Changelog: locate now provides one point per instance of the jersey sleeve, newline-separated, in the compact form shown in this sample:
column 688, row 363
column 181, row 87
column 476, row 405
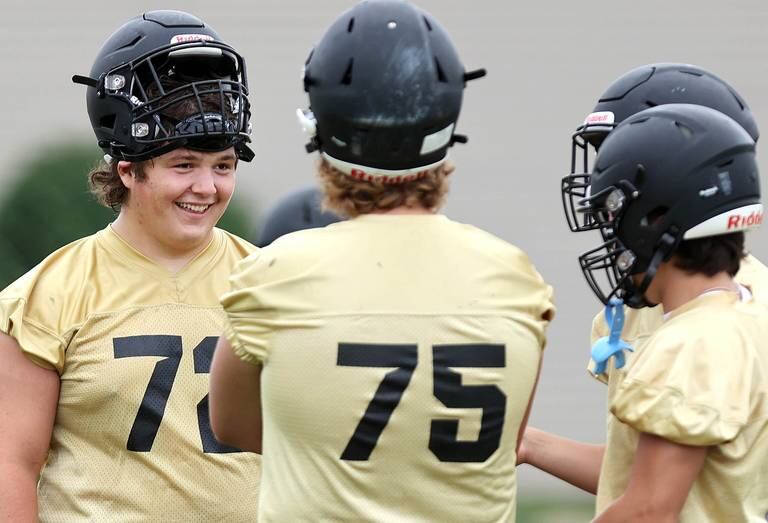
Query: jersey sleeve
column 529, row 293
column 243, row 327
column 24, row 319
column 689, row 386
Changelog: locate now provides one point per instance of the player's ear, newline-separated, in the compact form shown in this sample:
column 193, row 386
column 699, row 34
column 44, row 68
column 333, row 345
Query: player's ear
column 127, row 173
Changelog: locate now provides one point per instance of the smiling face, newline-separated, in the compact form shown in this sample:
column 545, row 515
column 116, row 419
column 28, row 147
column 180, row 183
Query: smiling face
column 174, row 207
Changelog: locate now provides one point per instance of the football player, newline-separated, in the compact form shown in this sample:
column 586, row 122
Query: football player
column 673, row 188
column 388, row 360
column 604, row 469
column 106, row 345
column 298, row 210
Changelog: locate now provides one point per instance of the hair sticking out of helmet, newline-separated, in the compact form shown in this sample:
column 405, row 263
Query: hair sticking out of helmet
column 639, row 89
column 385, row 88
column 166, row 80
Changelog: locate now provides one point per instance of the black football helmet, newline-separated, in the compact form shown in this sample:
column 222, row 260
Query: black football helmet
column 635, row 91
column 385, row 88
column 667, row 174
column 298, row 210
column 156, row 66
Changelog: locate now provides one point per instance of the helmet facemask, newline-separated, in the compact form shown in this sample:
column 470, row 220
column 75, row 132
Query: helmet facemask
column 574, row 188
column 187, row 94
column 612, row 269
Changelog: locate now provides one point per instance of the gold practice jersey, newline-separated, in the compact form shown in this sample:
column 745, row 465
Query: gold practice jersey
column 132, row 344
column 399, row 356
column 622, row 438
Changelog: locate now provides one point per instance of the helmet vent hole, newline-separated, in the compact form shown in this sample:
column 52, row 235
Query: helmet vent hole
column 738, row 100
column 347, row 78
column 650, row 103
column 440, row 73
column 426, row 22
column 725, row 164
column 686, row 131
column 351, row 24
column 692, row 73
column 132, row 42
column 107, row 121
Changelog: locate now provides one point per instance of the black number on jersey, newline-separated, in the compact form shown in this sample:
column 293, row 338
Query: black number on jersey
column 203, row 354
column 443, row 440
column 152, row 408
column 387, row 395
column 443, row 437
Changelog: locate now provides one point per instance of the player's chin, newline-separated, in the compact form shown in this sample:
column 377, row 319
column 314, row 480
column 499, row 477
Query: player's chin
column 197, row 228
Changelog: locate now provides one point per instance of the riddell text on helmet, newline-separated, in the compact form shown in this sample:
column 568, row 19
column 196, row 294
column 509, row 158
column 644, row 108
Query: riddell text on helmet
column 359, row 174
column 186, row 38
column 740, row 221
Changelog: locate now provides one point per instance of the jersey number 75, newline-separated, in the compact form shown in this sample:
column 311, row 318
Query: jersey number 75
column 443, row 436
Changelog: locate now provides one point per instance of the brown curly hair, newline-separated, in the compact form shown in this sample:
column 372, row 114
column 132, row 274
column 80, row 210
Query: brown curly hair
column 350, row 197
column 106, row 185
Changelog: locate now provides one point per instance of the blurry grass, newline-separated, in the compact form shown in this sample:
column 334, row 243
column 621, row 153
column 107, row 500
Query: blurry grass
column 542, row 510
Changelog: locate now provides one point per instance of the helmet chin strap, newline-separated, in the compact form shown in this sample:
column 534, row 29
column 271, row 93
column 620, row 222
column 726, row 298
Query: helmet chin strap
column 636, row 295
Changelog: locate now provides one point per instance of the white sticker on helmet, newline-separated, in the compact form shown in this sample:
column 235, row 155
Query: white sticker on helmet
column 307, row 121
column 183, row 39
column 433, row 142
column 197, row 51
column 599, row 118
column 741, row 219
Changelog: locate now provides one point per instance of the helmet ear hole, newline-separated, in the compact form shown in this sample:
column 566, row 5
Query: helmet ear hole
column 108, row 121
column 655, row 216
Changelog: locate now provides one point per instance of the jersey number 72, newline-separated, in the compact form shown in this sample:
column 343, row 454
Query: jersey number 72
column 152, row 407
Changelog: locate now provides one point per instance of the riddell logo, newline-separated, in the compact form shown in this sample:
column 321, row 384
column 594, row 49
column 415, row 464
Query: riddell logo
column 359, row 174
column 741, row 221
column 183, row 39
column 598, row 118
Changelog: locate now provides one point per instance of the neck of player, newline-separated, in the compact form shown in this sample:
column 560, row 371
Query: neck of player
column 156, row 244
column 673, row 287
column 406, row 209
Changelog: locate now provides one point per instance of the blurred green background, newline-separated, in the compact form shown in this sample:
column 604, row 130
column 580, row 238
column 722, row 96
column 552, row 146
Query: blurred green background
column 48, row 205
column 553, row 510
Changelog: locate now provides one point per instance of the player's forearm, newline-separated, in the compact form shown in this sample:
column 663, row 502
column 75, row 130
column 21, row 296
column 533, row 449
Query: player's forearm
column 18, row 494
column 572, row 461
